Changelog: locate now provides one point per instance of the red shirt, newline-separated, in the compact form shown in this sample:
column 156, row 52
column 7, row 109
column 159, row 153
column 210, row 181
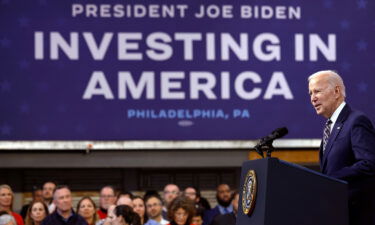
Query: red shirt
column 102, row 215
column 18, row 218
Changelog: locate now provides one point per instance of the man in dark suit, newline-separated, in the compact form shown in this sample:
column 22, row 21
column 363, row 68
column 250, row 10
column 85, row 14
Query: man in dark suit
column 347, row 150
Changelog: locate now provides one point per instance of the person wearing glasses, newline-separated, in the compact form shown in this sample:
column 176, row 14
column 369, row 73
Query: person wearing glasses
column 171, row 191
column 154, row 206
column 107, row 197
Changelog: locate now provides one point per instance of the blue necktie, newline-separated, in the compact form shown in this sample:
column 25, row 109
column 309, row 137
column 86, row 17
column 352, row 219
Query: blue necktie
column 326, row 133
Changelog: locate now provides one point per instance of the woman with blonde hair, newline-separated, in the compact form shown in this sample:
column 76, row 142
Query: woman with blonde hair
column 6, row 203
column 36, row 213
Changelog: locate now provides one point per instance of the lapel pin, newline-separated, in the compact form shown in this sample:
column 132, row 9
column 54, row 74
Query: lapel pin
column 338, row 128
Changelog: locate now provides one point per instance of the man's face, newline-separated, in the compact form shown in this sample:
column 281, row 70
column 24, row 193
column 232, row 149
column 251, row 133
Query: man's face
column 5, row 197
column 38, row 195
column 107, row 197
column 191, row 193
column 323, row 96
column 224, row 193
column 47, row 192
column 125, row 200
column 63, row 200
column 153, row 207
column 171, row 192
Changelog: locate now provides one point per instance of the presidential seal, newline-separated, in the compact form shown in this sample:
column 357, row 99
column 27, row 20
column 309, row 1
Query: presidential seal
column 249, row 192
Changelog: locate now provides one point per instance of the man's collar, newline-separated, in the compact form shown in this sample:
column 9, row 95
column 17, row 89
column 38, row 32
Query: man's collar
column 229, row 209
column 336, row 114
column 63, row 218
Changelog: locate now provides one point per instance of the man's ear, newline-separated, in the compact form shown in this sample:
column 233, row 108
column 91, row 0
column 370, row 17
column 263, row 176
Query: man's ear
column 338, row 91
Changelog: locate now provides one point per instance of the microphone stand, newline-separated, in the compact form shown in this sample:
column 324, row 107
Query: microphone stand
column 268, row 147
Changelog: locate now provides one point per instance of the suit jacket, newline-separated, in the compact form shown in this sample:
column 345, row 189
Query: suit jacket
column 226, row 219
column 350, row 156
column 56, row 219
column 209, row 215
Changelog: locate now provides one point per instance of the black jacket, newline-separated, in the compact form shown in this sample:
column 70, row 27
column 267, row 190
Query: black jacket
column 56, row 219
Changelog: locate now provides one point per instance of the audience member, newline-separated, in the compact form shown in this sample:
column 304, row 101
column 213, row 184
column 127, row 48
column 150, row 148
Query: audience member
column 36, row 213
column 224, row 199
column 86, row 208
column 181, row 211
column 198, row 217
column 124, row 215
column 107, row 197
column 6, row 203
column 140, row 208
column 154, row 207
column 36, row 196
column 194, row 194
column 125, row 200
column 230, row 218
column 6, row 219
column 110, row 216
column 204, row 203
column 171, row 191
column 125, row 193
column 150, row 192
column 64, row 214
column 47, row 195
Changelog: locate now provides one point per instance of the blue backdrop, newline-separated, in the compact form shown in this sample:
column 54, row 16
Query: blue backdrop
column 161, row 70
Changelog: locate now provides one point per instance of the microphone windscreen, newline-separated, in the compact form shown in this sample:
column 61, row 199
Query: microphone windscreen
column 281, row 132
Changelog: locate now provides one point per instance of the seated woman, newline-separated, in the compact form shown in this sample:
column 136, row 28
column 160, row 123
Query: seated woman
column 181, row 211
column 36, row 212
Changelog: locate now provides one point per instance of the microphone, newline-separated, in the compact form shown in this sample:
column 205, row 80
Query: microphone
column 278, row 133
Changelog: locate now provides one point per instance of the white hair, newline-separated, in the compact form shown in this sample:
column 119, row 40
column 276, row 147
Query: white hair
column 334, row 79
column 6, row 218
